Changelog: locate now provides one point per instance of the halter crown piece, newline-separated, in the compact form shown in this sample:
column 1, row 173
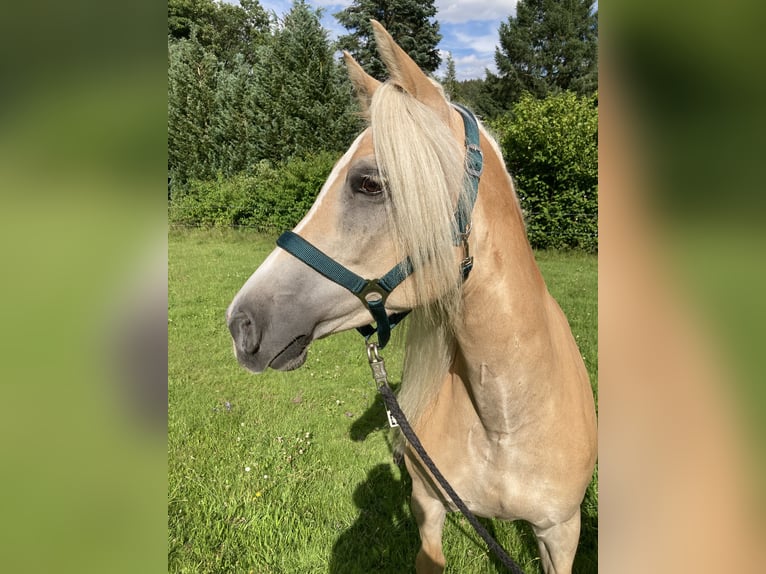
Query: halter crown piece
column 374, row 292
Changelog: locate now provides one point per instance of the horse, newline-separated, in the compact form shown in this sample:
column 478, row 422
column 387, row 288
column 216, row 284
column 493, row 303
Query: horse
column 493, row 382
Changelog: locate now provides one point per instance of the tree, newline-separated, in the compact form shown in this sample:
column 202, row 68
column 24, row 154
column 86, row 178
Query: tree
column 222, row 28
column 449, row 82
column 234, row 125
column 185, row 15
column 548, row 47
column 302, row 100
column 240, row 29
column 409, row 23
column 192, row 85
column 470, row 94
column 225, row 118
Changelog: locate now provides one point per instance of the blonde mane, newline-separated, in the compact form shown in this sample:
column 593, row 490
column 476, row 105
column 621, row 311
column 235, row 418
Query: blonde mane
column 422, row 165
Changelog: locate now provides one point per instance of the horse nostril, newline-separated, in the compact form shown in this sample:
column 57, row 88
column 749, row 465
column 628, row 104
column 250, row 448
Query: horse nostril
column 243, row 331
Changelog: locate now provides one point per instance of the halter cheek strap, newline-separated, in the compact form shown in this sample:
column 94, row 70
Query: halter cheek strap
column 374, row 292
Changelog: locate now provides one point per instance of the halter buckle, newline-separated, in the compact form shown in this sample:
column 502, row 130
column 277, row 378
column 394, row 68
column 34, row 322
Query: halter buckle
column 465, row 267
column 467, row 263
column 474, row 165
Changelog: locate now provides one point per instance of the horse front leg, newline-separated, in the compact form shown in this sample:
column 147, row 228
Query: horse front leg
column 558, row 544
column 430, row 514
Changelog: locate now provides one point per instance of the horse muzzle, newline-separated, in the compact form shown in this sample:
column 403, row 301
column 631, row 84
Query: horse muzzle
column 257, row 357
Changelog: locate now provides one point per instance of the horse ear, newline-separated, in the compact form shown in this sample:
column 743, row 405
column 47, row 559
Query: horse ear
column 407, row 74
column 364, row 84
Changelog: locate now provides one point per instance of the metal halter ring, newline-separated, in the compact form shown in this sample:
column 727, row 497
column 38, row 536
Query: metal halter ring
column 373, row 292
column 372, row 353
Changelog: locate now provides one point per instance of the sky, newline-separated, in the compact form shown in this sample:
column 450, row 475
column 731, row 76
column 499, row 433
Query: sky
column 469, row 29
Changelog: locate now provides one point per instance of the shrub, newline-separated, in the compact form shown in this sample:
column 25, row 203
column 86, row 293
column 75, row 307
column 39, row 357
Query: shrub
column 271, row 198
column 551, row 149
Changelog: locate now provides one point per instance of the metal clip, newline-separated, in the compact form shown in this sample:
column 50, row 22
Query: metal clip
column 377, row 365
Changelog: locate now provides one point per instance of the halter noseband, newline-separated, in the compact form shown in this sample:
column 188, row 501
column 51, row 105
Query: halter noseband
column 374, row 292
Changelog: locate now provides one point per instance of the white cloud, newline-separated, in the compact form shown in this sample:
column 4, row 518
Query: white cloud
column 334, row 4
column 470, row 66
column 460, row 11
column 483, row 43
column 472, row 45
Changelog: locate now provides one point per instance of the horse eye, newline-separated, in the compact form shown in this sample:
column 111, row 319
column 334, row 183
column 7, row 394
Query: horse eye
column 370, row 186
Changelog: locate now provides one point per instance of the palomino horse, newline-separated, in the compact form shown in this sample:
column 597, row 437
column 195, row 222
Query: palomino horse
column 493, row 381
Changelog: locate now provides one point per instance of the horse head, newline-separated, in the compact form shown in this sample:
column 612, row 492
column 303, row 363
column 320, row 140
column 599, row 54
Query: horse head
column 391, row 197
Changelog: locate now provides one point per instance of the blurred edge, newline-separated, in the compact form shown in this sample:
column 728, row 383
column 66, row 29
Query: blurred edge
column 681, row 283
column 84, row 291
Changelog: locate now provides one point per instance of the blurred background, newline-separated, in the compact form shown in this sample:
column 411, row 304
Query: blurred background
column 681, row 278
column 83, row 312
column 83, row 205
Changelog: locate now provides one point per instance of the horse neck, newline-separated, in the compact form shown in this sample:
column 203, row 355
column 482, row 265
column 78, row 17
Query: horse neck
column 506, row 322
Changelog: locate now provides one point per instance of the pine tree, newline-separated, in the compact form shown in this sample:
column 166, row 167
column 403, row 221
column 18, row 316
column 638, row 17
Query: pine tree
column 240, row 29
column 187, row 15
column 302, row 105
column 449, row 82
column 233, row 125
column 408, row 21
column 222, row 28
column 192, row 85
column 548, row 47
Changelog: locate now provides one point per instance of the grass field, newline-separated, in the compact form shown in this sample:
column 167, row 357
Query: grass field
column 292, row 472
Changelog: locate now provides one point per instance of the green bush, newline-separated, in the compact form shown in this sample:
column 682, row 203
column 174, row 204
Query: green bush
column 551, row 149
column 271, row 198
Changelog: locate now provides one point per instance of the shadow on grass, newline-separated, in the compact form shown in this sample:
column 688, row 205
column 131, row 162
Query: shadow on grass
column 373, row 419
column 384, row 537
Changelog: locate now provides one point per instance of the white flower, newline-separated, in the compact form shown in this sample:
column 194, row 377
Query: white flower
column 247, row 469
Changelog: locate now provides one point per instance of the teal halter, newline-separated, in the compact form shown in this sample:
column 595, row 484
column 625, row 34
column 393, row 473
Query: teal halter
column 374, row 292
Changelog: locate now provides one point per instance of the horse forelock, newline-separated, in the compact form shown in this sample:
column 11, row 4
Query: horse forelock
column 422, row 165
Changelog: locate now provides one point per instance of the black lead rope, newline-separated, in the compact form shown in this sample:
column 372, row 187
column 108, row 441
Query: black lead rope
column 392, row 405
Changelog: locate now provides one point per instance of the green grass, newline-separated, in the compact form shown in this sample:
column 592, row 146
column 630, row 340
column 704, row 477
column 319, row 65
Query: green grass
column 292, row 472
